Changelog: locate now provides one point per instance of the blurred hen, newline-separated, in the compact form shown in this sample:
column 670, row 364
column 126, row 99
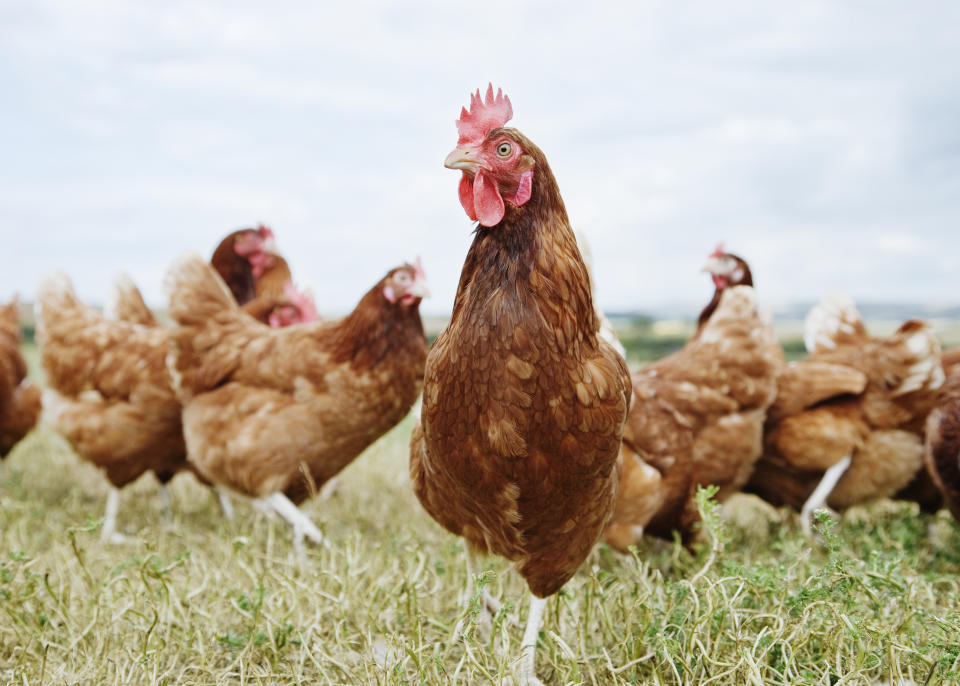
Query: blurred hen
column 19, row 398
column 697, row 416
column 847, row 425
column 275, row 413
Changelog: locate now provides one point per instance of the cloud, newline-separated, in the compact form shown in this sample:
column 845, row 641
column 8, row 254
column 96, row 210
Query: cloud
column 821, row 143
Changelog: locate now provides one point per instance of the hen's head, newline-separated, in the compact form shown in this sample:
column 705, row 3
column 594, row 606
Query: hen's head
column 727, row 269
column 299, row 308
column 406, row 285
column 258, row 247
column 495, row 161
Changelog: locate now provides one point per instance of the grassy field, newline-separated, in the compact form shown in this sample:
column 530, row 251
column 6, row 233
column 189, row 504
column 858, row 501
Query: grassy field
column 195, row 599
column 192, row 598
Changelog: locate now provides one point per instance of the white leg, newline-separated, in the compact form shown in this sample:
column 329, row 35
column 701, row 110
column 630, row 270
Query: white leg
column 329, row 489
column 820, row 494
column 302, row 526
column 526, row 673
column 109, row 533
column 223, row 497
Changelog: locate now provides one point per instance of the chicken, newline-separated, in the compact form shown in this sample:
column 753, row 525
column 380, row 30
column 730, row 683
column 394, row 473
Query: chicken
column 140, row 406
column 248, row 262
column 950, row 359
column 848, row 420
column 942, row 443
column 697, row 417
column 260, row 280
column 19, row 398
column 274, row 413
column 726, row 270
column 109, row 390
column 523, row 405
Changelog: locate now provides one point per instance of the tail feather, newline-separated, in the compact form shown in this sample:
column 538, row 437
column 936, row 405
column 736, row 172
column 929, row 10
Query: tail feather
column 833, row 322
column 126, row 303
column 922, row 355
column 209, row 331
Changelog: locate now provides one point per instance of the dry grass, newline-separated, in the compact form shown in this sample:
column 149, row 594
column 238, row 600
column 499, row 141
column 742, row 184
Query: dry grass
column 194, row 599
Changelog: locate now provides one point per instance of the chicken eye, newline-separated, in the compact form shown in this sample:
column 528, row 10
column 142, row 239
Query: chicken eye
column 504, row 149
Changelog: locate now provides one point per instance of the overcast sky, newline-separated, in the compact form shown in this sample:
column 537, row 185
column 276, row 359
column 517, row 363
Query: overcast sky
column 818, row 139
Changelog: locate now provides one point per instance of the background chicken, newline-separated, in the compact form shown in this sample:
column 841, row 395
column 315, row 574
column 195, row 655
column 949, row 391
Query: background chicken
column 726, row 270
column 248, row 261
column 942, row 443
column 523, row 404
column 848, row 421
column 109, row 390
column 697, row 415
column 19, row 399
column 275, row 413
column 260, row 280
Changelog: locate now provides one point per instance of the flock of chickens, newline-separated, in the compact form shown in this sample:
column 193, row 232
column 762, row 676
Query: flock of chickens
column 534, row 441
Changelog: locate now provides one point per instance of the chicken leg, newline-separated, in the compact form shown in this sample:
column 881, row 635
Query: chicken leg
column 109, row 533
column 301, row 523
column 525, row 674
column 820, row 494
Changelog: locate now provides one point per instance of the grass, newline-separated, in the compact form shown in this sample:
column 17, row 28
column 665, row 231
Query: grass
column 195, row 599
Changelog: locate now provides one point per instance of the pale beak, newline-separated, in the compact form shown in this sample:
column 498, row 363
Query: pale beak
column 419, row 289
column 464, row 159
column 269, row 246
column 714, row 265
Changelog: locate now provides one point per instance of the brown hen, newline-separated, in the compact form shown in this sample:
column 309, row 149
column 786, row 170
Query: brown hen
column 848, row 421
column 523, row 404
column 274, row 413
column 942, row 443
column 697, row 417
column 19, row 398
column 109, row 390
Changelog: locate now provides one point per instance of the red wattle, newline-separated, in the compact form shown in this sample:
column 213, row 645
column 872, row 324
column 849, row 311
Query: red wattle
column 524, row 190
column 466, row 196
column 487, row 201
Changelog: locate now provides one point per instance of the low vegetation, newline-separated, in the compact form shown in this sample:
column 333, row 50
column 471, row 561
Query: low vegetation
column 194, row 599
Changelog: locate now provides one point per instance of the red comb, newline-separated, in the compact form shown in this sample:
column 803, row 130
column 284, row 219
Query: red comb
column 265, row 231
column 485, row 114
column 418, row 269
column 718, row 251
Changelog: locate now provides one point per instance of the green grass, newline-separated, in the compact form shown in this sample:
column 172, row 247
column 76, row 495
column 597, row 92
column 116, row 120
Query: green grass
column 195, row 599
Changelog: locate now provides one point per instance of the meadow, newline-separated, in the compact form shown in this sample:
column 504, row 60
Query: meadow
column 193, row 598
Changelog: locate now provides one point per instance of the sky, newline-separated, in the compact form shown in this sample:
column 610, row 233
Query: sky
column 820, row 140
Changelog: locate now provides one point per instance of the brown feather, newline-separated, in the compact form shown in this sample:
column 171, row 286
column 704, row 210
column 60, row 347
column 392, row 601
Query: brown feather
column 942, row 443
column 19, row 399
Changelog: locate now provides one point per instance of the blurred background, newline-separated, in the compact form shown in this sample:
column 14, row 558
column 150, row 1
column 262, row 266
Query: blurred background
column 818, row 140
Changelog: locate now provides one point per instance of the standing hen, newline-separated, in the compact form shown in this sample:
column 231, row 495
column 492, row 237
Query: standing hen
column 848, row 420
column 523, row 404
column 19, row 399
column 109, row 390
column 697, row 418
column 274, row 413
